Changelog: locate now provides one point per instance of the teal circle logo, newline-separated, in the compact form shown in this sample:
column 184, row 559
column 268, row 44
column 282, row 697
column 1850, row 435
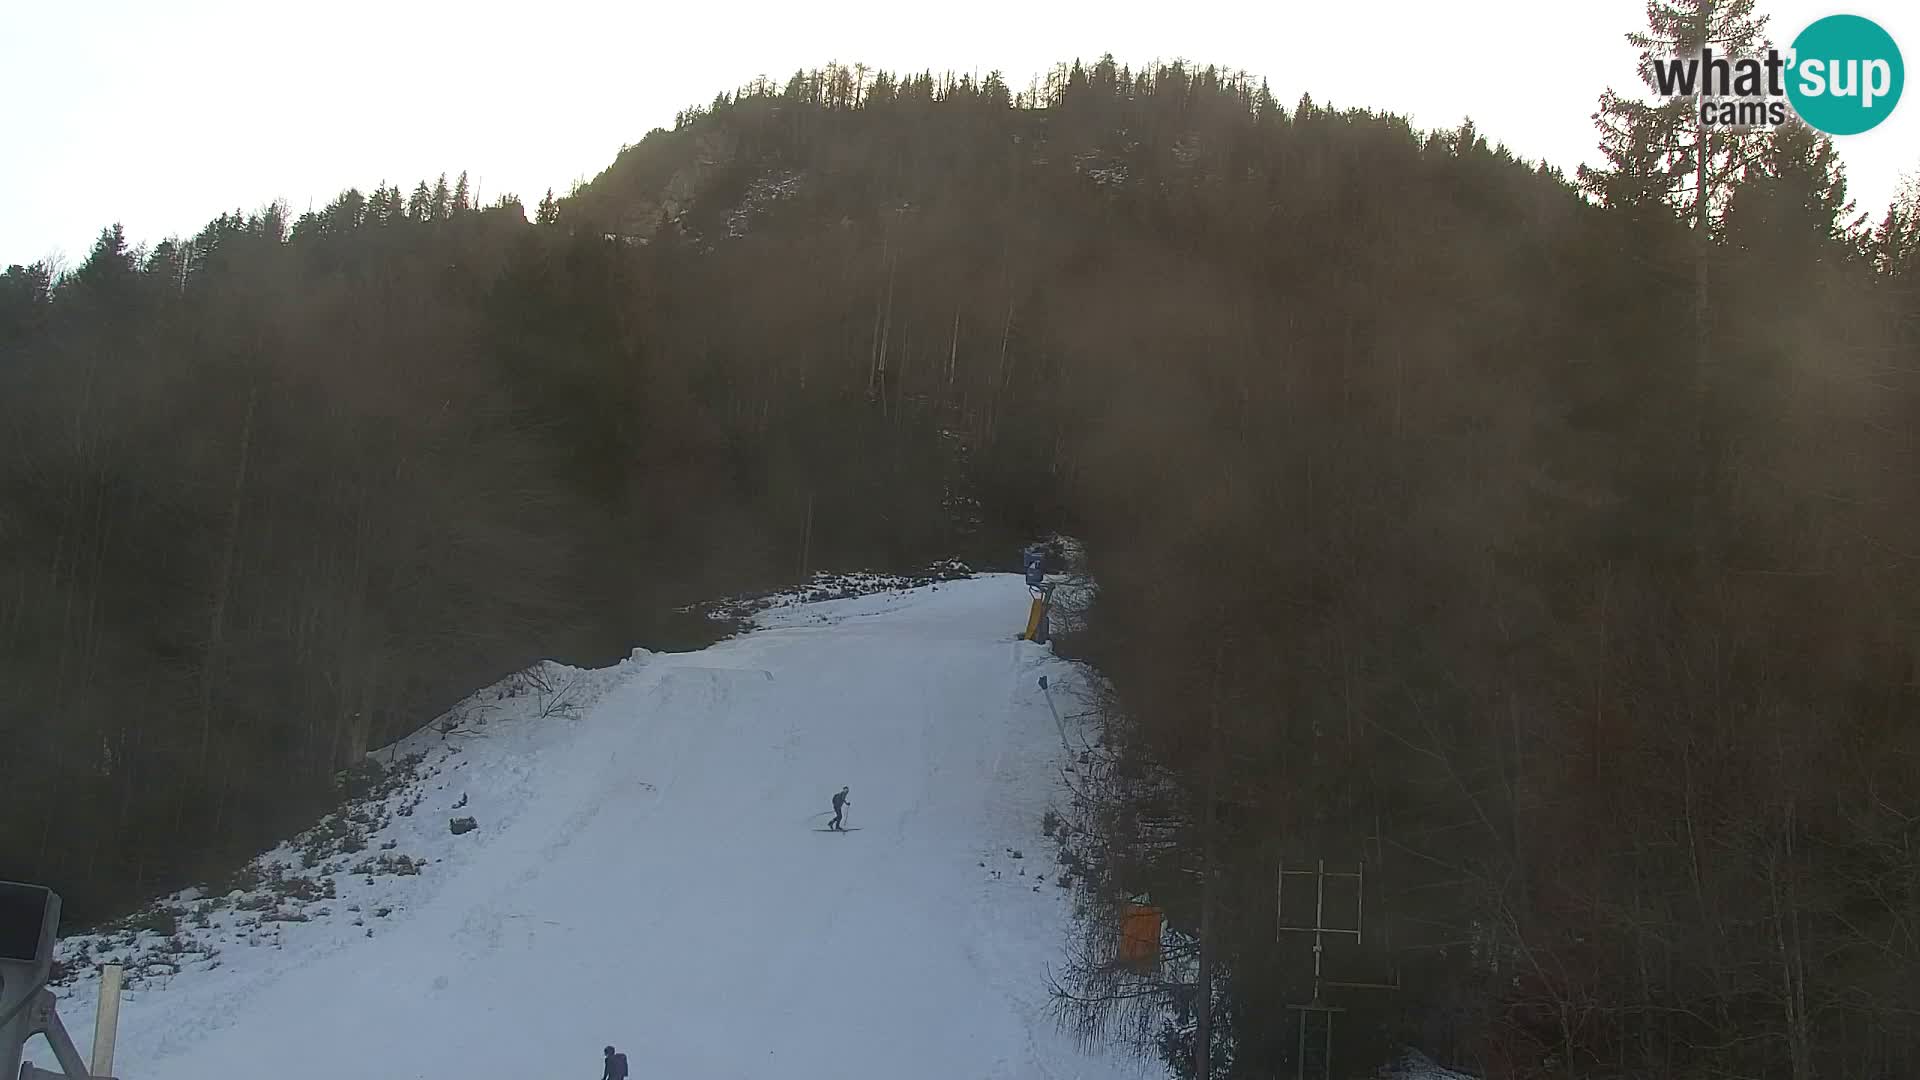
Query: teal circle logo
column 1847, row 75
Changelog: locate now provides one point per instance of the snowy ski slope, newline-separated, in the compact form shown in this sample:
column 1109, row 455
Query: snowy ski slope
column 647, row 872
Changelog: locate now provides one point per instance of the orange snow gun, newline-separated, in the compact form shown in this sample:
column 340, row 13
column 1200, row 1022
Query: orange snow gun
column 1140, row 937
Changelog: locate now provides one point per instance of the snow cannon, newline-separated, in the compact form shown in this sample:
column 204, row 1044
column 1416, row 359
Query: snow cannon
column 1034, row 561
column 1140, row 927
column 1036, row 621
column 1034, row 558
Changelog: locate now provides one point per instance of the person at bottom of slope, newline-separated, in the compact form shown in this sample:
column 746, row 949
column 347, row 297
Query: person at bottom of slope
column 839, row 808
column 616, row 1065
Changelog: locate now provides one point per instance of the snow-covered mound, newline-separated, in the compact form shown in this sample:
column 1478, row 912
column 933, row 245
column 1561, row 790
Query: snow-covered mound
column 1414, row 1065
column 645, row 866
column 827, row 585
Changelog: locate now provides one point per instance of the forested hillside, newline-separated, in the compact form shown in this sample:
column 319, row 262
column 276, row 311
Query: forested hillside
column 1555, row 551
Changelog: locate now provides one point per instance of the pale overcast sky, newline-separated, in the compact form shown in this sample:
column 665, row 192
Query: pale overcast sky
column 162, row 113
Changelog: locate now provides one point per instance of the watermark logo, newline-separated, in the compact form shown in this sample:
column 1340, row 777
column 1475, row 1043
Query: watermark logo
column 1842, row 76
column 1849, row 75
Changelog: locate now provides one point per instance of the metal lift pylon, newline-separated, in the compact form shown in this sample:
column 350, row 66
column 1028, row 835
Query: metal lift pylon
column 1314, row 1059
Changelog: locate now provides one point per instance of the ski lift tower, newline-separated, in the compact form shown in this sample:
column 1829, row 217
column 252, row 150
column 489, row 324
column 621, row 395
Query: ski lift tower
column 29, row 926
column 1314, row 1061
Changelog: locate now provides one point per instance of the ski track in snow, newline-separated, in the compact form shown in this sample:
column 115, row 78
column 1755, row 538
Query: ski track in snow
column 648, row 874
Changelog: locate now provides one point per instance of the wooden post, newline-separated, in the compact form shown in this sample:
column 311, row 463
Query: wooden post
column 1203, row 1034
column 806, row 539
column 108, row 1020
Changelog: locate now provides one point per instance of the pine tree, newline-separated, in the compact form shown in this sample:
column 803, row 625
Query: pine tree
column 1266, row 110
column 26, row 286
column 1795, row 194
column 549, row 212
column 308, row 225
column 377, row 212
column 1659, row 151
column 421, row 202
column 346, row 213
column 1663, row 154
column 881, row 93
column 462, row 198
column 994, row 91
column 110, row 262
column 1894, row 245
column 25, row 292
column 271, row 224
column 1105, row 79
column 1645, row 152
column 167, row 269
column 441, row 206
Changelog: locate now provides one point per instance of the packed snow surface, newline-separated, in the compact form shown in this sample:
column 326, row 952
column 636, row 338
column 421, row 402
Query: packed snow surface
column 645, row 868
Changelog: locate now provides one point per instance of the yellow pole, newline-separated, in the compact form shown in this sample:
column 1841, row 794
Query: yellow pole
column 1033, row 618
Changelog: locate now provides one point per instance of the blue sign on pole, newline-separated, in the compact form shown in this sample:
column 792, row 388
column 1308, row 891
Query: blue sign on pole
column 1035, row 560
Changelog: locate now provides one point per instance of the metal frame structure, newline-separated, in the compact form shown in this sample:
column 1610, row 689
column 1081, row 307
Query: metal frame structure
column 28, row 1008
column 1319, row 930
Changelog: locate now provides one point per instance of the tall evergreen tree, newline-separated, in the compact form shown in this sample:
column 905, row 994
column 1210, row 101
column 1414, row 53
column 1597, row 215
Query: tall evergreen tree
column 346, row 213
column 1662, row 154
column 25, row 292
column 378, row 212
column 1895, row 243
column 110, row 264
column 994, row 92
column 1659, row 151
column 1794, row 193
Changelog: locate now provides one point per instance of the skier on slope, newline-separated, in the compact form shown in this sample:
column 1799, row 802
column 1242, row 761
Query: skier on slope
column 839, row 809
column 616, row 1066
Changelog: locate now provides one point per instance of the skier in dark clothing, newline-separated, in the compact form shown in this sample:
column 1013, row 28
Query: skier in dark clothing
column 839, row 808
column 616, row 1066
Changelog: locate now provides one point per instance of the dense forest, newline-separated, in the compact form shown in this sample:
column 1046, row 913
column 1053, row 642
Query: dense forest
column 1546, row 544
